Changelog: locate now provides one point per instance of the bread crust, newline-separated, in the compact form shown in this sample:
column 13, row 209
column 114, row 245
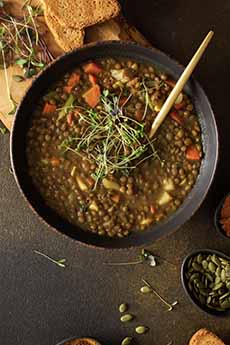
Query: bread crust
column 82, row 13
column 67, row 38
column 205, row 337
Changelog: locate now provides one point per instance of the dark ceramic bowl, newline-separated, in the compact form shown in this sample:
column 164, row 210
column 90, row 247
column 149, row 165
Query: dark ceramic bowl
column 71, row 341
column 185, row 282
column 66, row 63
column 217, row 223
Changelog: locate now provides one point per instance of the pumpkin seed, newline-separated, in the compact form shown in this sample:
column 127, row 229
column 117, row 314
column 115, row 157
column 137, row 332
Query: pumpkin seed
column 209, row 276
column 196, row 267
column 204, row 292
column 223, row 275
column 212, row 267
column 224, row 261
column 146, row 289
column 126, row 341
column 225, row 295
column 141, row 329
column 209, row 299
column 205, row 264
column 228, row 285
column 217, row 286
column 216, row 260
column 123, row 307
column 126, row 318
column 199, row 258
column 218, row 271
column 217, row 280
column 194, row 276
column 225, row 304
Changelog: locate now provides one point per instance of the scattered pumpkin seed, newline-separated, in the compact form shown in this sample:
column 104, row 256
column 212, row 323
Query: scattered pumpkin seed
column 141, row 329
column 126, row 318
column 146, row 289
column 126, row 341
column 123, row 307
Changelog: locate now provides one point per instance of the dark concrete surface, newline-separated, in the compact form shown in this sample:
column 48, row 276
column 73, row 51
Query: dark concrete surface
column 41, row 303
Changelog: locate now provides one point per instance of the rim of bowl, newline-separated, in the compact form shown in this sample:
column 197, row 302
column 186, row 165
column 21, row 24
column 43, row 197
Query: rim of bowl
column 184, row 281
column 217, row 224
column 174, row 225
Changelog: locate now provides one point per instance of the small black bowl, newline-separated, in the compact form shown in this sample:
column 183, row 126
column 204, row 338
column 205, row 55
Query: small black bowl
column 217, row 217
column 91, row 340
column 185, row 282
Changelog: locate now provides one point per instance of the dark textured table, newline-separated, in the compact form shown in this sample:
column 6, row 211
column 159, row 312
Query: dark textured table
column 41, row 303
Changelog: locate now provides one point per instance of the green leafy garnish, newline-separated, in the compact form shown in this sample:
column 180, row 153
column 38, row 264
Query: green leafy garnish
column 67, row 106
column 60, row 262
column 3, row 130
column 113, row 140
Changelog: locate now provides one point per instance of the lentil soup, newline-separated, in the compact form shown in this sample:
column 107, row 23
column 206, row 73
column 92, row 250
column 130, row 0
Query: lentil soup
column 90, row 156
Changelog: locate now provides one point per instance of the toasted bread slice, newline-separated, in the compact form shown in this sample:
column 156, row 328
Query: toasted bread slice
column 82, row 13
column 205, row 337
column 67, row 38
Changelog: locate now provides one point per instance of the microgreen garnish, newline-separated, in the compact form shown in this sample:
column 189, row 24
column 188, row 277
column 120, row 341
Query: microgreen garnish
column 3, row 130
column 20, row 44
column 144, row 257
column 148, row 102
column 170, row 306
column 112, row 139
column 60, row 262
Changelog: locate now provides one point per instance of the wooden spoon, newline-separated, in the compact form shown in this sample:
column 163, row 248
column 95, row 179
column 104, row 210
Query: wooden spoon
column 180, row 84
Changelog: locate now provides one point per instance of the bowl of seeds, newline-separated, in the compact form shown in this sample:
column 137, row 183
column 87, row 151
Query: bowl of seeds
column 205, row 276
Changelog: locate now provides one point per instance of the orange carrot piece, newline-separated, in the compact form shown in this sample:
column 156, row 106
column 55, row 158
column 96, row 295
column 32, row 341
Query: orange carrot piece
column 179, row 106
column 92, row 79
column 70, row 119
column 177, row 117
column 116, row 198
column 153, row 209
column 92, row 96
column 55, row 162
column 192, row 153
column 139, row 114
column 49, row 108
column 73, row 81
column 92, row 68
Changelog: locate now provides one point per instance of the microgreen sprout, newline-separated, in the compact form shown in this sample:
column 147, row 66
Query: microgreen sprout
column 60, row 262
column 115, row 141
column 170, row 306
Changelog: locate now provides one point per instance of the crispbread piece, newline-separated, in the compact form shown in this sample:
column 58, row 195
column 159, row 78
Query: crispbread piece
column 82, row 13
column 205, row 337
column 67, row 38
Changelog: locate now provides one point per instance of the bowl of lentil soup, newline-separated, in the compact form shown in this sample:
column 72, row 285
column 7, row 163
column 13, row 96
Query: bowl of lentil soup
column 82, row 157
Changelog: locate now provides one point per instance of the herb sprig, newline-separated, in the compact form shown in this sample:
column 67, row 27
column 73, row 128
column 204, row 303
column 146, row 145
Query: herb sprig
column 60, row 262
column 112, row 139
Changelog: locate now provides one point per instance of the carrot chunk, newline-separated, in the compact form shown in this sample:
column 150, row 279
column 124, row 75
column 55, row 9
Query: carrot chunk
column 92, row 96
column 73, row 81
column 92, row 68
column 192, row 153
column 177, row 117
column 92, row 79
column 55, row 162
column 70, row 119
column 49, row 108
column 179, row 106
